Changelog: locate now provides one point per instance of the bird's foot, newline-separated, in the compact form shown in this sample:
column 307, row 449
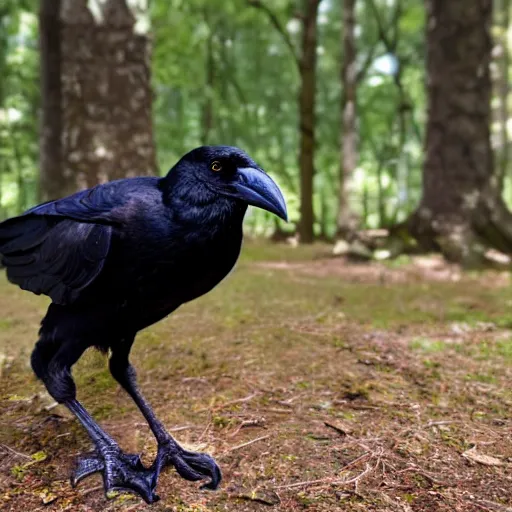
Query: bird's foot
column 121, row 472
column 191, row 466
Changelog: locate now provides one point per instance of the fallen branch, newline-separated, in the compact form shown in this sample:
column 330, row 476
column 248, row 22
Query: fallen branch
column 243, row 445
column 341, row 429
column 432, row 479
column 14, row 452
column 439, row 423
column 91, row 489
column 258, row 422
column 333, row 481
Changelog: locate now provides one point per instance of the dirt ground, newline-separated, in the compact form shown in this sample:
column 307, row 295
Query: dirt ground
column 318, row 385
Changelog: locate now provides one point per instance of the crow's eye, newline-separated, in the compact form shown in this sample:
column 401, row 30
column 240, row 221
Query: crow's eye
column 216, row 167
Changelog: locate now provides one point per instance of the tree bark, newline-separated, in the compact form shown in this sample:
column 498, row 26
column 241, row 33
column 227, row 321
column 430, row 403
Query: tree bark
column 53, row 182
column 207, row 114
column 306, row 66
column 461, row 212
column 347, row 220
column 106, row 95
column 502, row 86
column 307, row 119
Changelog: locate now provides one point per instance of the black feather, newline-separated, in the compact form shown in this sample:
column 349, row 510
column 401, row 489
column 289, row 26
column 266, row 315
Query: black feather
column 54, row 256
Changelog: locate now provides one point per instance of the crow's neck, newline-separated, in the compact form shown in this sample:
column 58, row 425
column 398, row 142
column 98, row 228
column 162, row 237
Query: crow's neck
column 194, row 205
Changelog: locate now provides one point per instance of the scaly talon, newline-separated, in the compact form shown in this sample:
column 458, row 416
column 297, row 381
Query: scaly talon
column 191, row 466
column 121, row 472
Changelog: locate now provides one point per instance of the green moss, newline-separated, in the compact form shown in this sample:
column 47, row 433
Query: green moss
column 408, row 498
column 504, row 349
column 481, row 377
column 6, row 323
column 427, row 345
column 222, row 421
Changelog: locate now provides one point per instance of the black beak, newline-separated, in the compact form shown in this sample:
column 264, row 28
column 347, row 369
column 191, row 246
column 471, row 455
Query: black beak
column 257, row 188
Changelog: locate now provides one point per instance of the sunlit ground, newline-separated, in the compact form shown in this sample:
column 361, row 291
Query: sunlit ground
column 317, row 384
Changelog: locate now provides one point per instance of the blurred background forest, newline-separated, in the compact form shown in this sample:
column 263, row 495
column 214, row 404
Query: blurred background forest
column 353, row 106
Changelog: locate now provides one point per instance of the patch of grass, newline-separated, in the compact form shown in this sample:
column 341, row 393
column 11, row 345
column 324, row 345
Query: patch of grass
column 487, row 349
column 504, row 349
column 482, row 377
column 6, row 323
column 255, row 250
column 398, row 262
column 428, row 345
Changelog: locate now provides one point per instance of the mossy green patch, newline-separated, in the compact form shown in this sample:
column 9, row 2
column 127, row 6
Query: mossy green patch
column 428, row 345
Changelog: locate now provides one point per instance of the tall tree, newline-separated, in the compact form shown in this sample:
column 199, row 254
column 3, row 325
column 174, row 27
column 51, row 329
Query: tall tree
column 346, row 219
column 307, row 118
column 207, row 114
column 106, row 95
column 502, row 87
column 306, row 65
column 52, row 179
column 96, row 123
column 461, row 211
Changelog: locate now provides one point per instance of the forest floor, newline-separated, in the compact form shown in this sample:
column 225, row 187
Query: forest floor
column 318, row 385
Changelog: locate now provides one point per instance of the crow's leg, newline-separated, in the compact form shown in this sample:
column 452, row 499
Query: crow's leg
column 120, row 471
column 190, row 465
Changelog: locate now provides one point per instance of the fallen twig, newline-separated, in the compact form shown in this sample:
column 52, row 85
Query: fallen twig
column 203, row 433
column 243, row 445
column 439, row 423
column 330, row 480
column 258, row 422
column 91, row 489
column 14, row 452
column 428, row 476
column 490, row 505
column 341, row 429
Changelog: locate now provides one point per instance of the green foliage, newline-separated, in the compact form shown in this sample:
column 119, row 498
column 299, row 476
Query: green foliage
column 227, row 57
column 19, row 103
column 254, row 98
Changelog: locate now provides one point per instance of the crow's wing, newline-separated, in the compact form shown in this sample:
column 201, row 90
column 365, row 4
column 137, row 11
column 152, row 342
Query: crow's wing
column 60, row 247
column 54, row 256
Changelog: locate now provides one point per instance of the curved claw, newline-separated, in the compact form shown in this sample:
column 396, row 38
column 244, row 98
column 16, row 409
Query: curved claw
column 198, row 466
column 140, row 486
column 191, row 466
column 86, row 466
column 121, row 472
column 126, row 473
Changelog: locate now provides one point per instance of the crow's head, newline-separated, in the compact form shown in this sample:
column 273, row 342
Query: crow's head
column 230, row 172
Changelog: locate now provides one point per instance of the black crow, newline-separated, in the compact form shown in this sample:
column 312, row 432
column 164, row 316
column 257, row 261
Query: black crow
column 119, row 257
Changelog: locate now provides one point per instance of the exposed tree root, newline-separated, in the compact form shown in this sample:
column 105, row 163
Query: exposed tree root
column 478, row 238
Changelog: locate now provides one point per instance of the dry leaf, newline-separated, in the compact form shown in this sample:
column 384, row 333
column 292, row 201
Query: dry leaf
column 342, row 428
column 486, row 460
column 263, row 496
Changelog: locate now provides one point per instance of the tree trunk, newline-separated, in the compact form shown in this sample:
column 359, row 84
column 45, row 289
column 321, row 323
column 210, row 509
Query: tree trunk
column 461, row 211
column 53, row 182
column 106, row 95
column 502, row 86
column 207, row 114
column 347, row 221
column 307, row 119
